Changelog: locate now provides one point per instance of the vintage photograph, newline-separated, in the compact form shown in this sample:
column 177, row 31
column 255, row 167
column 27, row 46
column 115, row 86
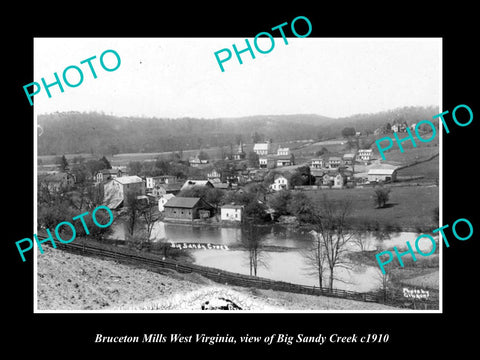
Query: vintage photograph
column 298, row 180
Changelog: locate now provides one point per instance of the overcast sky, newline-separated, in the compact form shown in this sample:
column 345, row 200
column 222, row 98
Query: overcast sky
column 180, row 77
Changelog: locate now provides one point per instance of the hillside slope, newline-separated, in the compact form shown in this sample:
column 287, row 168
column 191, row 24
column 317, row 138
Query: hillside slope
column 73, row 282
column 75, row 132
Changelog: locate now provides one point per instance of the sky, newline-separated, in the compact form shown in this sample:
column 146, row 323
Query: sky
column 180, row 77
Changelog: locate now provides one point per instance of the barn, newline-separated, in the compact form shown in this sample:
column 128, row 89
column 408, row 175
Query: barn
column 384, row 175
column 187, row 209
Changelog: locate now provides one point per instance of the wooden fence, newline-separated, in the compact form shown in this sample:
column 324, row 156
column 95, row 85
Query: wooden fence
column 157, row 263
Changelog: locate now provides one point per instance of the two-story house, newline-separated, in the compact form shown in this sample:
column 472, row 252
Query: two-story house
column 334, row 161
column 317, row 163
column 365, row 154
column 280, row 182
column 262, row 148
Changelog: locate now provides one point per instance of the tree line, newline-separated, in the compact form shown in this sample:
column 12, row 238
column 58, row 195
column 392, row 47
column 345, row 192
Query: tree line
column 98, row 133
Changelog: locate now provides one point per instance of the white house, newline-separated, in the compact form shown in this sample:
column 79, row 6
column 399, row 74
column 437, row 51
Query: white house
column 365, row 154
column 283, row 151
column 284, row 161
column 152, row 181
column 334, row 161
column 262, row 148
column 214, row 175
column 280, row 182
column 163, row 200
column 263, row 162
column 317, row 164
column 231, row 212
column 338, row 181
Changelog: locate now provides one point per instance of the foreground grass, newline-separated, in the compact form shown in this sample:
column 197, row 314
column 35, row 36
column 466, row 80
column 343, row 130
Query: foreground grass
column 67, row 281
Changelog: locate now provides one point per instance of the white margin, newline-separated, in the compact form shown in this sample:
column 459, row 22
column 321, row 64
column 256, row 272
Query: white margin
column 399, row 311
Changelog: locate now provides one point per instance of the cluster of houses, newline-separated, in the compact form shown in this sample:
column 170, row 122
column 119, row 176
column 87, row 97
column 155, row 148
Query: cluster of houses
column 338, row 171
column 329, row 171
column 162, row 190
column 396, row 128
column 270, row 159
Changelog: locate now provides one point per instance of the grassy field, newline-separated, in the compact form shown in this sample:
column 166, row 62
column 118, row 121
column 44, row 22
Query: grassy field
column 429, row 170
column 410, row 154
column 409, row 207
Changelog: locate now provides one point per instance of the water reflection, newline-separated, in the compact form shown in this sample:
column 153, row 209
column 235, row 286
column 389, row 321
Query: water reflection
column 277, row 252
column 252, row 240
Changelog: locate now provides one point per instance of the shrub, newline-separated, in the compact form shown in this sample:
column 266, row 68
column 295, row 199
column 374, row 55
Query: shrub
column 381, row 197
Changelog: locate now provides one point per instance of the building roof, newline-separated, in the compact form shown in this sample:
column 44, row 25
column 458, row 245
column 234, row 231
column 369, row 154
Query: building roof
column 334, row 158
column 261, row 146
column 219, row 185
column 168, row 196
column 348, row 156
column 365, row 150
column 377, row 171
column 231, row 206
column 182, row 202
column 124, row 180
column 191, row 183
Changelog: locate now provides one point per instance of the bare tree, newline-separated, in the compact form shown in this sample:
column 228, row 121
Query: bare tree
column 150, row 217
column 133, row 207
column 316, row 257
column 362, row 239
column 89, row 196
column 252, row 241
column 330, row 223
column 384, row 282
column 95, row 194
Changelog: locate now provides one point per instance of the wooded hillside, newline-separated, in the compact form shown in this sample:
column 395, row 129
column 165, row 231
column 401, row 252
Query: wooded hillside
column 74, row 132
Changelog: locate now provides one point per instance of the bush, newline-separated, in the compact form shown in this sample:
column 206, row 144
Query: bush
column 280, row 202
column 381, row 196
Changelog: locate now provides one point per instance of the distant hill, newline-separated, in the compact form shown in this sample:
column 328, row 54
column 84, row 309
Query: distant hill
column 97, row 133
